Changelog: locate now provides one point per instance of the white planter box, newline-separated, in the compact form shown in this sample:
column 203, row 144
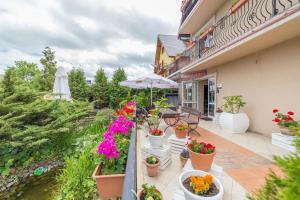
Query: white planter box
column 284, row 141
column 236, row 123
column 163, row 154
column 217, row 118
column 177, row 144
column 190, row 196
column 156, row 141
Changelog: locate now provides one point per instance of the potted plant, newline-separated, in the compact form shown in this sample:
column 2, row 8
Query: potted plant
column 155, row 135
column 285, row 122
column 152, row 164
column 232, row 119
column 201, row 154
column 184, row 156
column 113, row 150
column 181, row 130
column 149, row 192
column 199, row 185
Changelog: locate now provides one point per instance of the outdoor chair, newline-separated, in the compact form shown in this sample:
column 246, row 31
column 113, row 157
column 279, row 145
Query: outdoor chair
column 191, row 117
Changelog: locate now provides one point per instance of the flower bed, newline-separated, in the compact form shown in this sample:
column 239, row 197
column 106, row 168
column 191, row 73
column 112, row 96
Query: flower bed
column 113, row 151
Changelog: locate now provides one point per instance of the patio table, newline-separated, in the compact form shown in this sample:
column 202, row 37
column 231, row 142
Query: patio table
column 170, row 117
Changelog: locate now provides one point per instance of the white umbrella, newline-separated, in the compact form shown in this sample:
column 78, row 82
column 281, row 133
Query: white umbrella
column 150, row 81
column 61, row 88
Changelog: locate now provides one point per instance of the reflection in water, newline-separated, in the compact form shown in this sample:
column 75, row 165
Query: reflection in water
column 34, row 188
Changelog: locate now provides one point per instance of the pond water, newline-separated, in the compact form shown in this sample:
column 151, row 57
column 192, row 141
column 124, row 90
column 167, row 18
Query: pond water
column 34, row 188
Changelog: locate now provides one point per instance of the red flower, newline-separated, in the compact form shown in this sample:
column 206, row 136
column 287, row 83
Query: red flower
column 191, row 146
column 276, row 120
column 275, row 110
column 290, row 113
column 209, row 146
column 290, row 118
column 204, row 150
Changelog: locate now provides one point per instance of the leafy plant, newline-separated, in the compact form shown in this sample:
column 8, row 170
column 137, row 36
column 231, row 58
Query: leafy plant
column 201, row 147
column 150, row 192
column 181, row 127
column 233, row 104
column 286, row 187
column 155, row 118
column 152, row 160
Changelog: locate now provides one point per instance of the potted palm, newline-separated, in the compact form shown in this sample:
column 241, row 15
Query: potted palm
column 113, row 150
column 156, row 136
column 184, row 156
column 232, row 119
column 199, row 185
column 152, row 164
column 149, row 192
column 181, row 130
column 201, row 154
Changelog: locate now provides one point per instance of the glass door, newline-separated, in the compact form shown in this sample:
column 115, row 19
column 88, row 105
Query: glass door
column 190, row 95
column 211, row 97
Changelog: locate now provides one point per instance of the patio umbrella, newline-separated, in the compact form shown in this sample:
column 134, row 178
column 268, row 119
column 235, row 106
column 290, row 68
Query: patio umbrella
column 61, row 88
column 150, row 81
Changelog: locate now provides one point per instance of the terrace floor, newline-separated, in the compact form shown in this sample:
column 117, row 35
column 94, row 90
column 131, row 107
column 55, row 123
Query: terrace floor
column 241, row 162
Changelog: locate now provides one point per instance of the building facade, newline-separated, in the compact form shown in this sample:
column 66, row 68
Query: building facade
column 244, row 47
column 167, row 49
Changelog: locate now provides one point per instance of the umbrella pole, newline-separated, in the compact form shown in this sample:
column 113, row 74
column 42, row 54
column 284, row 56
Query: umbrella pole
column 151, row 94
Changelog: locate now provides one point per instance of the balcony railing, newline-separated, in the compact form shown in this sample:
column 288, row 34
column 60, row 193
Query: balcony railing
column 178, row 64
column 235, row 24
column 187, row 9
column 130, row 182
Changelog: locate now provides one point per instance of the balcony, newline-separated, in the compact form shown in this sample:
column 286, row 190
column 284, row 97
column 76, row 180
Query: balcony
column 186, row 8
column 239, row 26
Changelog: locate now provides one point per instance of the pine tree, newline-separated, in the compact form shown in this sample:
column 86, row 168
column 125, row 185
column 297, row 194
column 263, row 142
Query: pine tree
column 9, row 81
column 100, row 90
column 78, row 85
column 49, row 64
column 117, row 93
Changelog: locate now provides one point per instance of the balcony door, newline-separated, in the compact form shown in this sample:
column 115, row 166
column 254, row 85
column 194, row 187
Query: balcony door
column 211, row 97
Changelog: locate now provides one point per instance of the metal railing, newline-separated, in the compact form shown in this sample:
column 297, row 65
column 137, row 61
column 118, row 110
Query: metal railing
column 130, row 182
column 188, row 9
column 235, row 24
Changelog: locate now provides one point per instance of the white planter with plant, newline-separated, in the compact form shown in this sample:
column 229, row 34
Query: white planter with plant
column 231, row 119
column 211, row 190
column 156, row 136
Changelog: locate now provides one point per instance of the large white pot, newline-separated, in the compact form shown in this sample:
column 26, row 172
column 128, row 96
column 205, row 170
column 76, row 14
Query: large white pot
column 156, row 141
column 190, row 196
column 236, row 123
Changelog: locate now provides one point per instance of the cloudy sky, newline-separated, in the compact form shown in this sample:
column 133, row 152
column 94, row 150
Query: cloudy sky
column 86, row 33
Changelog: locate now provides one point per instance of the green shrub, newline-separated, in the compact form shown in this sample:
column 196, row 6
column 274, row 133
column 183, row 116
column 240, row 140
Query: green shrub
column 282, row 188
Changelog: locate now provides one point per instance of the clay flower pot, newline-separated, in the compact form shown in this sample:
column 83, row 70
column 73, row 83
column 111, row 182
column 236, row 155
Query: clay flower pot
column 140, row 195
column 183, row 160
column 108, row 186
column 180, row 134
column 201, row 161
column 152, row 169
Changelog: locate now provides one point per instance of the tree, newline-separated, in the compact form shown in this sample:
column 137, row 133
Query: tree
column 9, row 81
column 100, row 89
column 78, row 85
column 117, row 92
column 49, row 70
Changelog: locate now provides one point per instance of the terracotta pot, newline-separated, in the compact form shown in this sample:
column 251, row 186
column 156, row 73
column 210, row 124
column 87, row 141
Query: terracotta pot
column 141, row 192
column 183, row 160
column 108, row 186
column 201, row 161
column 152, row 169
column 180, row 134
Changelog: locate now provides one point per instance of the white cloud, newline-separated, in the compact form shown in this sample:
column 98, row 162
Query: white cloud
column 86, row 34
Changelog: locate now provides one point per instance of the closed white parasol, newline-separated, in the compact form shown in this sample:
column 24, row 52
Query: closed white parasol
column 61, row 88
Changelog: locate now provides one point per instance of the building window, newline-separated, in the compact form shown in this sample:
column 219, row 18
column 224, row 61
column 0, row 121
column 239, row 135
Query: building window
column 190, row 95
